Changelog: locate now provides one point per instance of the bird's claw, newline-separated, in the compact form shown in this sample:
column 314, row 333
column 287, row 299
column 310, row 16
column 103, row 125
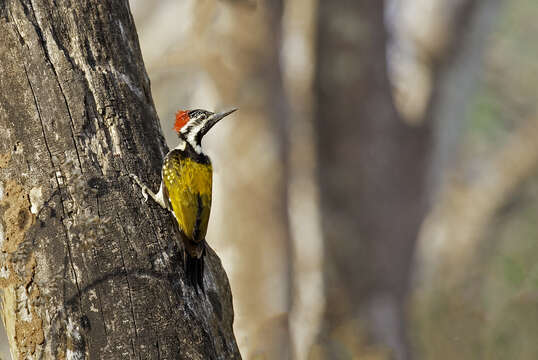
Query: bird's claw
column 139, row 183
column 135, row 178
column 145, row 195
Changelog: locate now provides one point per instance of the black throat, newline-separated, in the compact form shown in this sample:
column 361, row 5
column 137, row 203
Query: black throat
column 191, row 153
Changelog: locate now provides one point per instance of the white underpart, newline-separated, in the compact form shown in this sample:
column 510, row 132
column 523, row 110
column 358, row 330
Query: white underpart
column 181, row 145
column 159, row 197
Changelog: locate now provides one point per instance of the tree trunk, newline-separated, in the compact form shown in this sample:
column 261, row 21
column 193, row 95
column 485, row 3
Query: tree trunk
column 88, row 270
column 373, row 171
column 371, row 219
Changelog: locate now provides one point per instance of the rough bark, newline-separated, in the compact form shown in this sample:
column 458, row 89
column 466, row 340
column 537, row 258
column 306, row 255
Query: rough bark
column 88, row 270
column 373, row 169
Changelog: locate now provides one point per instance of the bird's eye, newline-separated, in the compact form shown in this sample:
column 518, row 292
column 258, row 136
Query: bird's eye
column 203, row 117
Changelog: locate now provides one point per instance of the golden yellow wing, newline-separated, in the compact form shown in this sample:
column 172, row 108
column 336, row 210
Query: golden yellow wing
column 189, row 185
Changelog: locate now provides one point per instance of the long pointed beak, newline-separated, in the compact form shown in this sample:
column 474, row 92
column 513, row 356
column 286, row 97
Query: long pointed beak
column 212, row 120
column 217, row 116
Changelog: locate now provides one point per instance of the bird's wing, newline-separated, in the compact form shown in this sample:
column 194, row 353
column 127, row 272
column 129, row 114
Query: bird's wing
column 188, row 185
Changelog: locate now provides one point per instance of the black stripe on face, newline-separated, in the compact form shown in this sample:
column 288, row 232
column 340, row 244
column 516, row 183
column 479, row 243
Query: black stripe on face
column 202, row 131
column 193, row 114
column 198, row 123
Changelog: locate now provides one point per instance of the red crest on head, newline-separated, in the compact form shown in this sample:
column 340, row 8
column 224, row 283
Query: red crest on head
column 182, row 117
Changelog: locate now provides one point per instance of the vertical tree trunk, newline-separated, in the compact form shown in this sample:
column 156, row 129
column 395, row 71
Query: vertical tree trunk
column 371, row 218
column 373, row 171
column 88, row 270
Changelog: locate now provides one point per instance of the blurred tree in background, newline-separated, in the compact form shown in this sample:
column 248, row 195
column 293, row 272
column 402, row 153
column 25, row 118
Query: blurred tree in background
column 214, row 58
column 372, row 168
column 375, row 196
column 392, row 108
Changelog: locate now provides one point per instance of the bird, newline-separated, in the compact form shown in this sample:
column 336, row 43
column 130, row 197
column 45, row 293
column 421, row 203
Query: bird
column 186, row 186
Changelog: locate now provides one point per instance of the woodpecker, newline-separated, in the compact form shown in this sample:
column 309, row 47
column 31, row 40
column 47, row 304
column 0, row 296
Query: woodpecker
column 186, row 185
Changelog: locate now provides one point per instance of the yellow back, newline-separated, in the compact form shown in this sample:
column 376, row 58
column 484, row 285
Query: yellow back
column 189, row 186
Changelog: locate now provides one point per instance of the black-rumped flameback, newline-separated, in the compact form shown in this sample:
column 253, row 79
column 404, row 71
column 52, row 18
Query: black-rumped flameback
column 186, row 186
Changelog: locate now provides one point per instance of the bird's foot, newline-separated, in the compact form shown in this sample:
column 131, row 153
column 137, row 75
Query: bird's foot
column 143, row 187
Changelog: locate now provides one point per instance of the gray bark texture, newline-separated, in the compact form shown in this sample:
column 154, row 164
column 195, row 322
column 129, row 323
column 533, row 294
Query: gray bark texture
column 87, row 268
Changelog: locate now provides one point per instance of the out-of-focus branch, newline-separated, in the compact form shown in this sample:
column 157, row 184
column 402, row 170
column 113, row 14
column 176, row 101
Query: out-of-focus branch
column 373, row 169
column 424, row 35
column 451, row 232
column 308, row 300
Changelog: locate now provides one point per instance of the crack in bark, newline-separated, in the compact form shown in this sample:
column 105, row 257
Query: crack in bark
column 39, row 117
column 68, row 243
column 135, row 340
column 98, row 297
column 49, row 60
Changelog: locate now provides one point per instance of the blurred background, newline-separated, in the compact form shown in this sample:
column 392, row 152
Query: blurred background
column 376, row 195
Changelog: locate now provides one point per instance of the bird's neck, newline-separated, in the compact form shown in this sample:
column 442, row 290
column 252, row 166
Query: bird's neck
column 189, row 141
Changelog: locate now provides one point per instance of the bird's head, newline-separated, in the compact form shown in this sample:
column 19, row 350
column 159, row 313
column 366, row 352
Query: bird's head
column 192, row 125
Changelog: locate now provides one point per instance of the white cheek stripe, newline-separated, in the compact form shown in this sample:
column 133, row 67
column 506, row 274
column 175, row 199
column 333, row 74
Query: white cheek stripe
column 192, row 131
column 181, row 145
